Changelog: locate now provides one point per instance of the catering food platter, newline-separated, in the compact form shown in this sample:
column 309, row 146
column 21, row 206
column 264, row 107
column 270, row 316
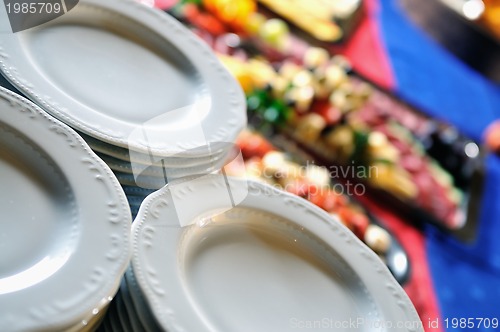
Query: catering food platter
column 426, row 169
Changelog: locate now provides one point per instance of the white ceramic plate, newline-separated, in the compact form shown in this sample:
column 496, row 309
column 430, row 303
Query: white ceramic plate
column 174, row 160
column 159, row 169
column 65, row 223
column 156, row 182
column 90, row 324
column 145, row 316
column 126, row 74
column 273, row 263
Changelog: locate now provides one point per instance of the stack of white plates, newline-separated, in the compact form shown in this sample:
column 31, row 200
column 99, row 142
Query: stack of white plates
column 146, row 94
column 141, row 174
column 221, row 254
column 65, row 229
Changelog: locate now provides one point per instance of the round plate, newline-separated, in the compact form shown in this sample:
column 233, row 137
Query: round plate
column 91, row 324
column 158, row 169
column 65, row 236
column 206, row 154
column 271, row 262
column 141, row 308
column 126, row 74
column 157, row 181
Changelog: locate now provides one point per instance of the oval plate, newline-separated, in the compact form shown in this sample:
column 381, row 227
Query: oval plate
column 270, row 262
column 126, row 74
column 65, row 223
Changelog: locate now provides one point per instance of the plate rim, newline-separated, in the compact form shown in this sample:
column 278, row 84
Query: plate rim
column 56, row 103
column 366, row 261
column 94, row 167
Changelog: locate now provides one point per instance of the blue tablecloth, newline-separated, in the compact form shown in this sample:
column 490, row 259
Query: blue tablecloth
column 466, row 277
